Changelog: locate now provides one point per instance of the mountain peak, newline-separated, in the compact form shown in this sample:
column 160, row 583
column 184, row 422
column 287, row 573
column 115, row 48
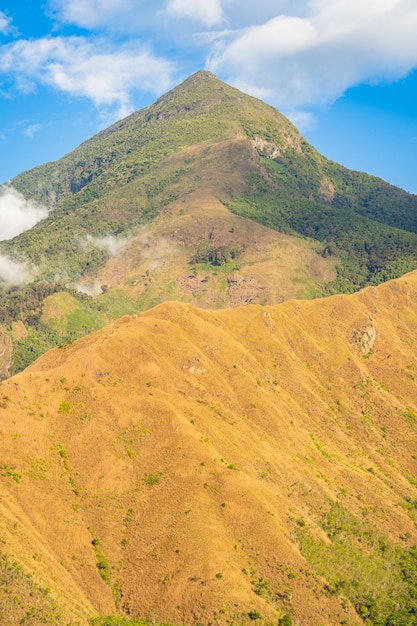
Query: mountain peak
column 202, row 74
column 227, row 180
column 200, row 84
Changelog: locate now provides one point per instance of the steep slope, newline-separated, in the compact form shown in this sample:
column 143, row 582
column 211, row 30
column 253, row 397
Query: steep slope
column 117, row 180
column 223, row 466
column 121, row 179
column 209, row 196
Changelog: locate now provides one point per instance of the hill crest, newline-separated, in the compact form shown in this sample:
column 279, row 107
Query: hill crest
column 208, row 196
column 222, row 464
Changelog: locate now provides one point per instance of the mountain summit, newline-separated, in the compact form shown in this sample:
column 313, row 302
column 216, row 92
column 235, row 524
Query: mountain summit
column 208, row 196
column 201, row 109
column 192, row 465
column 205, row 137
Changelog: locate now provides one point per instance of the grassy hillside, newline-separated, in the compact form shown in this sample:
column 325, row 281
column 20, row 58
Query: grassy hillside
column 121, row 179
column 113, row 183
column 209, row 196
column 370, row 225
column 191, row 466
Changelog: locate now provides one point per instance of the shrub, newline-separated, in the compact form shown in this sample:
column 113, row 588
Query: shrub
column 65, row 407
column 152, row 478
column 254, row 615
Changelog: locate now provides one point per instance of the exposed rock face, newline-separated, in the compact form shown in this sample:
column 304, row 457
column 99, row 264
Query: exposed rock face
column 364, row 337
column 266, row 147
column 271, row 150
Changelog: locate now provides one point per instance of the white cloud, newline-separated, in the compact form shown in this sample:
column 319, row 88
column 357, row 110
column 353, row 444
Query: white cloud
column 16, row 216
column 296, row 54
column 89, row 13
column 90, row 287
column 113, row 245
column 87, row 68
column 137, row 15
column 128, row 16
column 240, row 13
column 12, row 272
column 206, row 12
column 32, row 130
column 16, row 213
column 312, row 57
column 4, row 23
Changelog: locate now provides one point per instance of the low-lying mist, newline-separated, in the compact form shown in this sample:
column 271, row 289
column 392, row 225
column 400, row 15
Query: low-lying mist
column 16, row 216
column 112, row 245
column 14, row 273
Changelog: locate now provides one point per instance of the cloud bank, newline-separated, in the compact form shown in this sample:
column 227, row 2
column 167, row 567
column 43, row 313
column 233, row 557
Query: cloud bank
column 113, row 15
column 14, row 273
column 313, row 57
column 297, row 55
column 205, row 12
column 92, row 68
column 17, row 214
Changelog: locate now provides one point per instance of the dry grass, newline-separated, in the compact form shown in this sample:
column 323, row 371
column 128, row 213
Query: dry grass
column 195, row 443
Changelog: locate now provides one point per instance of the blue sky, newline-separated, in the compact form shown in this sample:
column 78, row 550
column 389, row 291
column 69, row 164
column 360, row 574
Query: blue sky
column 345, row 71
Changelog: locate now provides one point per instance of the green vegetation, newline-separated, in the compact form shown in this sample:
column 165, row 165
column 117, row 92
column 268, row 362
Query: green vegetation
column 30, row 348
column 9, row 472
column 370, row 226
column 216, row 256
column 103, row 565
column 152, row 478
column 27, row 305
column 65, row 407
column 409, row 415
column 262, row 588
column 116, row 620
column 378, row 577
column 54, row 316
column 22, row 599
column 125, row 176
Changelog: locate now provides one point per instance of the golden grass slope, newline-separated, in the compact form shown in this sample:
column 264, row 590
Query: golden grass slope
column 177, row 463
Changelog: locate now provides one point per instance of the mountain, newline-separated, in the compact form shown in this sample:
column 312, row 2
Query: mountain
column 255, row 464
column 208, row 196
